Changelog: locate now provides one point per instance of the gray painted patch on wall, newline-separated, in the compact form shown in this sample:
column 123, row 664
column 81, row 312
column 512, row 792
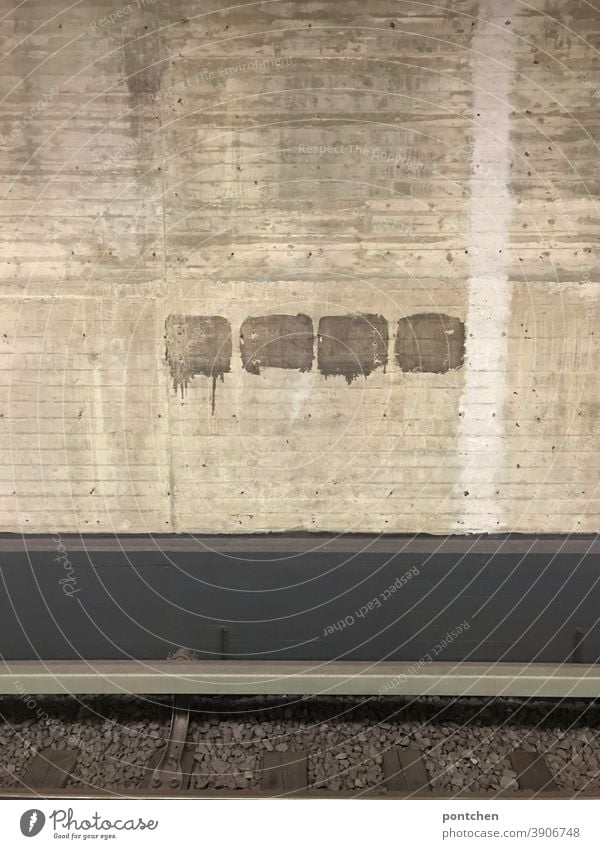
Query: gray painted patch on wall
column 352, row 345
column 430, row 342
column 277, row 341
column 198, row 344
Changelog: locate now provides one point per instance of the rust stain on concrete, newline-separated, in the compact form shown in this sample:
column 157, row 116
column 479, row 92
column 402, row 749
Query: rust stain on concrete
column 198, row 344
column 430, row 342
column 352, row 345
column 277, row 341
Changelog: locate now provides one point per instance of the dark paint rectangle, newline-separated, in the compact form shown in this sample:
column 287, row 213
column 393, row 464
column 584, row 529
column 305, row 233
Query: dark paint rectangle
column 352, row 345
column 277, row 341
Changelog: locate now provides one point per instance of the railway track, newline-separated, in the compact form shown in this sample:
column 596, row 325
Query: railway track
column 182, row 726
column 325, row 747
column 405, row 777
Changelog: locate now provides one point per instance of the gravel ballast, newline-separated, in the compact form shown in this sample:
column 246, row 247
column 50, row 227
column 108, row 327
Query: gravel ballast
column 465, row 742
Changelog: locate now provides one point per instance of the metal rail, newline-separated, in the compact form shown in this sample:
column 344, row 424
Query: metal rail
column 170, row 677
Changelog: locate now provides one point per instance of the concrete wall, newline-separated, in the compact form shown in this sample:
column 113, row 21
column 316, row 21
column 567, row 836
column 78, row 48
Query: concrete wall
column 415, row 181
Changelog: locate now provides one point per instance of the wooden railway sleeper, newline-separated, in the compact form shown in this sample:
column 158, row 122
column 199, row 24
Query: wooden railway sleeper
column 171, row 767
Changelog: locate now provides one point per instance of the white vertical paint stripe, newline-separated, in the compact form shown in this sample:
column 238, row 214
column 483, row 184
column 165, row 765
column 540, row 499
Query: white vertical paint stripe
column 481, row 425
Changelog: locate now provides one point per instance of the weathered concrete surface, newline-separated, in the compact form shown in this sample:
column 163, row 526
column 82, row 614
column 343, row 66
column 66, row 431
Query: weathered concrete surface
column 325, row 159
